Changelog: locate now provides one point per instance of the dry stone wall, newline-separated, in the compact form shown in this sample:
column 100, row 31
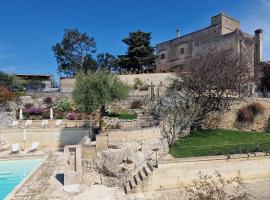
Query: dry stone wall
column 227, row 120
column 67, row 84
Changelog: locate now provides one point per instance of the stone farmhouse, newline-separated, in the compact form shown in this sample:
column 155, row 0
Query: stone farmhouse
column 224, row 32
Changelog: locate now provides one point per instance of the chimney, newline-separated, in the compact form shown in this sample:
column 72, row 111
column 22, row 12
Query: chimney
column 258, row 46
column 177, row 33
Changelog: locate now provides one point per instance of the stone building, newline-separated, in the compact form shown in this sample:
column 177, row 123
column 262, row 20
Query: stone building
column 37, row 82
column 224, row 32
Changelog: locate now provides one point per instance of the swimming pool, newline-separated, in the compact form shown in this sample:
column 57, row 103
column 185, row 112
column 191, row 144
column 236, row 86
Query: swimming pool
column 13, row 172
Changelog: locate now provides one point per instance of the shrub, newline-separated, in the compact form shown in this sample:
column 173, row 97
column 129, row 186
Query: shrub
column 46, row 115
column 138, row 83
column 125, row 116
column 48, row 100
column 144, row 87
column 256, row 108
column 137, row 104
column 71, row 116
column 25, row 115
column 5, row 95
column 216, row 187
column 28, row 105
column 248, row 113
column 59, row 116
column 35, row 111
column 64, row 105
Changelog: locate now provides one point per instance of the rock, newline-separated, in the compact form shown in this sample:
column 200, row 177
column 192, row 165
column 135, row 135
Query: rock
column 6, row 118
column 26, row 100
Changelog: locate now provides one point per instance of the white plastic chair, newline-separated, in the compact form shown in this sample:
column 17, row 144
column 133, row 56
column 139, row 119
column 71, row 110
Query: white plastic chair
column 44, row 123
column 34, row 146
column 28, row 123
column 58, row 122
column 15, row 123
column 15, row 148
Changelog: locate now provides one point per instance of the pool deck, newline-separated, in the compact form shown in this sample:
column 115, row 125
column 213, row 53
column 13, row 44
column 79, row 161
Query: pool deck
column 39, row 184
column 47, row 183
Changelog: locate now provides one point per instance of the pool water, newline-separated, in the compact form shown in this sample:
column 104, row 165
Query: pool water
column 13, row 172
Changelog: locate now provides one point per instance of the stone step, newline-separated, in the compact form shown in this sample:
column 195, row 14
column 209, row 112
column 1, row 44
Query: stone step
column 135, row 180
column 140, row 175
column 150, row 166
column 145, row 171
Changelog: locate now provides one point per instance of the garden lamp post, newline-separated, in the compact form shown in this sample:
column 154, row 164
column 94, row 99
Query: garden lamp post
column 21, row 115
column 51, row 113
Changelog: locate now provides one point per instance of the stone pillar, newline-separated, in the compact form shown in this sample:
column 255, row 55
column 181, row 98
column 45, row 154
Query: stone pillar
column 72, row 168
column 258, row 46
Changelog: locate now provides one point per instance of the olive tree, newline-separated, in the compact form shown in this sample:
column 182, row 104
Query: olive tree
column 94, row 90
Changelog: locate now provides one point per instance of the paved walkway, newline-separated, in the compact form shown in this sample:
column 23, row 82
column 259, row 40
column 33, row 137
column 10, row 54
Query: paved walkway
column 43, row 184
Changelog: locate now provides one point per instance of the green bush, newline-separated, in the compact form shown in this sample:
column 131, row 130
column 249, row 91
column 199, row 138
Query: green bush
column 138, row 83
column 46, row 115
column 25, row 115
column 144, row 87
column 95, row 89
column 59, row 116
column 64, row 105
column 126, row 116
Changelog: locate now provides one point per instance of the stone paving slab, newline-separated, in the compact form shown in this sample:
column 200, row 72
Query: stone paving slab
column 41, row 185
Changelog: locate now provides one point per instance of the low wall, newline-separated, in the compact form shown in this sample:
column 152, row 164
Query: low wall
column 182, row 171
column 67, row 84
column 138, row 135
column 154, row 78
column 47, row 137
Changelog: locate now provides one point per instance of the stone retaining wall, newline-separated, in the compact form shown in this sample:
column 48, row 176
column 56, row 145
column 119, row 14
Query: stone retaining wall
column 182, row 171
column 67, row 84
column 261, row 122
column 118, row 137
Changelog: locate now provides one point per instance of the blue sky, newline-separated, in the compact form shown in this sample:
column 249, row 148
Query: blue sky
column 29, row 28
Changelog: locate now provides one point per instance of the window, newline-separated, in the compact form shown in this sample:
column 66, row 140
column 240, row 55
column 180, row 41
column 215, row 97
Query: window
column 162, row 56
column 182, row 51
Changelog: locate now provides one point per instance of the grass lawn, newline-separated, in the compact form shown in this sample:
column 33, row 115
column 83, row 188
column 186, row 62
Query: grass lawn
column 127, row 116
column 220, row 142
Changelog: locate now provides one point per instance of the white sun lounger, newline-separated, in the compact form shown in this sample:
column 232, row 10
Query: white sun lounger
column 44, row 123
column 15, row 148
column 58, row 122
column 28, row 123
column 34, row 147
column 15, row 123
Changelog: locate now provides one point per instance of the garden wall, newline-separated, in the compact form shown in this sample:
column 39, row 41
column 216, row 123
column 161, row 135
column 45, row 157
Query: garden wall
column 118, row 137
column 183, row 171
column 67, row 84
column 47, row 137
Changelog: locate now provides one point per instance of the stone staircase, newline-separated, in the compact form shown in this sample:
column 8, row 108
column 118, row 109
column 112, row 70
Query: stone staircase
column 139, row 177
